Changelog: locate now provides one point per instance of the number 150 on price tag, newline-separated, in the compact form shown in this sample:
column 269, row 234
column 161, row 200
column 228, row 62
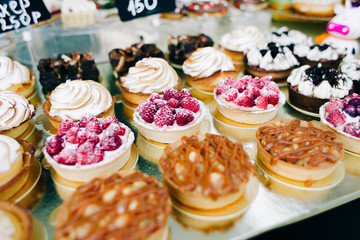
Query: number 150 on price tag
column 131, row 9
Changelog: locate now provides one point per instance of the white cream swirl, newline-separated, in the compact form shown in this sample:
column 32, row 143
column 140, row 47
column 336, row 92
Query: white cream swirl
column 12, row 73
column 72, row 99
column 352, row 69
column 284, row 36
column 14, row 110
column 242, row 39
column 206, row 61
column 150, row 75
column 10, row 152
column 314, row 53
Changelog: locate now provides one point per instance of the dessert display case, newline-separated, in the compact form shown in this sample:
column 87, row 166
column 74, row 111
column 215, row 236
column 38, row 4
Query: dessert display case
column 270, row 201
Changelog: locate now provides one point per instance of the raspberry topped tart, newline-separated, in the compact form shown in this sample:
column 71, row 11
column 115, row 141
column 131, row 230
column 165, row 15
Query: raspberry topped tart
column 298, row 150
column 343, row 118
column 311, row 87
column 249, row 100
column 270, row 59
column 89, row 148
column 166, row 118
column 213, row 8
column 125, row 205
column 208, row 172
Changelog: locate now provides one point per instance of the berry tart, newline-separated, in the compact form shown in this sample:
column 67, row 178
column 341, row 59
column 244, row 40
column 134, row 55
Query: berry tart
column 209, row 172
column 320, row 8
column 89, row 148
column 125, row 205
column 182, row 46
column 249, row 100
column 16, row 113
column 240, row 40
column 270, row 59
column 71, row 66
column 285, row 37
column 149, row 75
column 17, row 78
column 72, row 99
column 352, row 69
column 325, row 54
column 213, row 8
column 166, row 118
column 206, row 66
column 298, row 150
column 123, row 59
column 311, row 87
column 343, row 118
column 17, row 157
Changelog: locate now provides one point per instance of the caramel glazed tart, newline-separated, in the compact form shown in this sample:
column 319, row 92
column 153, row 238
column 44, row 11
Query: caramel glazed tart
column 125, row 205
column 208, row 172
column 298, row 150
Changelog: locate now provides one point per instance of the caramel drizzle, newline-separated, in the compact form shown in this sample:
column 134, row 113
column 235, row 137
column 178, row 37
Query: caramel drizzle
column 149, row 215
column 314, row 146
column 210, row 152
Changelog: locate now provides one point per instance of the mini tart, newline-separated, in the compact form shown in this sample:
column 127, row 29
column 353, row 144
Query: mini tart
column 323, row 8
column 298, row 150
column 208, row 172
column 112, row 161
column 81, row 96
column 17, row 77
column 16, row 113
column 125, row 205
column 16, row 220
column 149, row 75
column 352, row 69
column 17, row 177
column 206, row 8
column 256, row 113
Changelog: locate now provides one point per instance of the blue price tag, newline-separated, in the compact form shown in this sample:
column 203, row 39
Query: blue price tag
column 131, row 9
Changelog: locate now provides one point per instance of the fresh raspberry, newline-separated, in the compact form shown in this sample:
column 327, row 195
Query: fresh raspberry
column 54, row 144
column 185, row 93
column 336, row 117
column 231, row 95
column 229, row 81
column 352, row 129
column 334, row 103
column 159, row 103
column 173, row 103
column 94, row 126
column 170, row 93
column 154, row 96
column 262, row 102
column 65, row 126
column 273, row 87
column 258, row 83
column 92, row 137
column 245, row 101
column 273, row 98
column 164, row 117
column 254, row 92
column 85, row 119
column 117, row 128
column 81, row 136
column 110, row 141
column 184, row 116
column 350, row 97
column 221, row 88
column 241, row 84
column 107, row 121
column 147, row 111
column 98, row 155
column 67, row 157
column 71, row 135
column 86, row 153
column 267, row 79
column 190, row 103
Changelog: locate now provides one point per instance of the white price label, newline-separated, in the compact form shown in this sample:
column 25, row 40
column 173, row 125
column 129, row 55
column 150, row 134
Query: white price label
column 138, row 6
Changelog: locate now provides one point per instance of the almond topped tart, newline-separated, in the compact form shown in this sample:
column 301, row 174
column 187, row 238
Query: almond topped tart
column 89, row 148
column 166, row 118
column 206, row 173
column 125, row 205
column 298, row 150
column 72, row 99
column 16, row 113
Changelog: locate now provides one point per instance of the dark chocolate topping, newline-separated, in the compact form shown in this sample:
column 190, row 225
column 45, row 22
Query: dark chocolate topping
column 319, row 74
column 321, row 47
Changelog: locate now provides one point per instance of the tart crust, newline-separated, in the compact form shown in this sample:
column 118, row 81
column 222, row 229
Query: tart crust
column 313, row 9
column 292, row 171
column 236, row 56
column 25, row 89
column 56, row 120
